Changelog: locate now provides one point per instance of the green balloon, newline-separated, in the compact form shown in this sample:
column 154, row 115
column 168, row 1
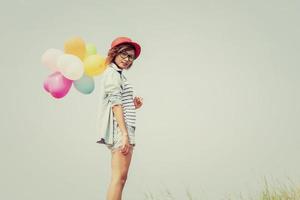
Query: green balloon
column 85, row 84
column 91, row 49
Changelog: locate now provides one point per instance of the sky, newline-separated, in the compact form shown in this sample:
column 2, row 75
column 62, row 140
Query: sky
column 220, row 84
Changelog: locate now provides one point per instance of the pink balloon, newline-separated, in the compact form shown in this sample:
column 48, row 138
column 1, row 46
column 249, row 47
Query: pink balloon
column 46, row 86
column 57, row 85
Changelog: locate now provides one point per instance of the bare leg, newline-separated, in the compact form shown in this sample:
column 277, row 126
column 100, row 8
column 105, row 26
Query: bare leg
column 119, row 164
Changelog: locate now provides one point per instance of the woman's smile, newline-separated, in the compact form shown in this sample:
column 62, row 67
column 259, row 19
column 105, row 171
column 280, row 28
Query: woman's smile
column 124, row 64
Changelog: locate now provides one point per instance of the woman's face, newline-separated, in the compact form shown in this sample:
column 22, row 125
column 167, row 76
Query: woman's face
column 125, row 59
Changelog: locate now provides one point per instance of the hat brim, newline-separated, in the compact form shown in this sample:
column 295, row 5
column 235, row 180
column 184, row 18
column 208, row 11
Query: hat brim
column 136, row 46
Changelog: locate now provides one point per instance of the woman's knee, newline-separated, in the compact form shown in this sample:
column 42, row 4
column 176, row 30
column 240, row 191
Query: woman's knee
column 120, row 178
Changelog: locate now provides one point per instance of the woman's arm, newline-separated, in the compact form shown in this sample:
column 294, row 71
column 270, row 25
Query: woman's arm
column 118, row 112
column 112, row 87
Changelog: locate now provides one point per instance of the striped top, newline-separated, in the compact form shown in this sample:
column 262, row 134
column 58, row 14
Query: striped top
column 129, row 110
column 128, row 105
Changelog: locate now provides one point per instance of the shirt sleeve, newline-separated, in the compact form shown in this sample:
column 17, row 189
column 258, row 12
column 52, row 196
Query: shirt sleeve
column 113, row 89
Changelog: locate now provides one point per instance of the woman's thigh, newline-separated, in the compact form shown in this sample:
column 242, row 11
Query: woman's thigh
column 120, row 163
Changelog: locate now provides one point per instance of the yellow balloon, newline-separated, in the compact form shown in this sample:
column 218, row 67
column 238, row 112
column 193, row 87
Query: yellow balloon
column 75, row 46
column 94, row 65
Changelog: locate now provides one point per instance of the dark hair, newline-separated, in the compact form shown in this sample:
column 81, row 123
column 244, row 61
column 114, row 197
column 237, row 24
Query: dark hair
column 113, row 52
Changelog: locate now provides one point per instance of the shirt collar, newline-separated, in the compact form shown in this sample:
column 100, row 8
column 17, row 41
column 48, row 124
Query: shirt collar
column 113, row 65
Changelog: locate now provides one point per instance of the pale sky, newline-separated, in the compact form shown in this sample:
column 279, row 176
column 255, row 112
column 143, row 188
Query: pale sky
column 220, row 83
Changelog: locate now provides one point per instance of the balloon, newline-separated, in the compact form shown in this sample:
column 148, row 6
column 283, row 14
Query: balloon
column 94, row 65
column 50, row 57
column 75, row 46
column 90, row 50
column 70, row 66
column 85, row 84
column 57, row 85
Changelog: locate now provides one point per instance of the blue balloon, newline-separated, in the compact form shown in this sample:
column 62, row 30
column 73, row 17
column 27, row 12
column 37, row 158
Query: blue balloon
column 85, row 84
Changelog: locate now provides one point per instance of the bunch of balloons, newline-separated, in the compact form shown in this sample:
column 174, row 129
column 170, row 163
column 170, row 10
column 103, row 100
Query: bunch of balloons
column 77, row 65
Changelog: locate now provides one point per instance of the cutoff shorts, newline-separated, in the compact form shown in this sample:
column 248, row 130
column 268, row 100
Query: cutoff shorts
column 117, row 139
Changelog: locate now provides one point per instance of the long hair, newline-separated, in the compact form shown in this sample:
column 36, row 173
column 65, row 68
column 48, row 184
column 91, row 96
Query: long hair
column 113, row 52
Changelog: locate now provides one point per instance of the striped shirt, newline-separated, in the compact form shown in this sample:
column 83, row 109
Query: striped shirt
column 129, row 110
column 128, row 105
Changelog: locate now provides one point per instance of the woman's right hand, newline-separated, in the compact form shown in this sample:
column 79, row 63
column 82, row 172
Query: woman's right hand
column 125, row 144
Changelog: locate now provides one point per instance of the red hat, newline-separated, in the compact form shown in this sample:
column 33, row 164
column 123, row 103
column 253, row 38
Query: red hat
column 122, row 40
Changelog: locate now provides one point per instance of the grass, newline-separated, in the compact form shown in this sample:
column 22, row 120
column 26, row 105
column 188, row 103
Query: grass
column 269, row 192
column 283, row 192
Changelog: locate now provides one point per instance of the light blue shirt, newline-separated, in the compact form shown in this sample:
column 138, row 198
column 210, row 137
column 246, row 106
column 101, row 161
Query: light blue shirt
column 111, row 88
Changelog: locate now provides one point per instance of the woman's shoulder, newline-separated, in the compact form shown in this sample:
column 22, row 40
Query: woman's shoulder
column 111, row 75
column 109, row 71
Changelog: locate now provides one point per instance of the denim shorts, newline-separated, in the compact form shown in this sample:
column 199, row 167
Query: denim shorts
column 117, row 139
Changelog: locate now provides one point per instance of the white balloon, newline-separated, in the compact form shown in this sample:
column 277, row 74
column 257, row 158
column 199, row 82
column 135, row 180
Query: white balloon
column 70, row 66
column 50, row 57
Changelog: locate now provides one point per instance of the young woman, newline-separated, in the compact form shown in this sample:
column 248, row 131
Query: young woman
column 118, row 112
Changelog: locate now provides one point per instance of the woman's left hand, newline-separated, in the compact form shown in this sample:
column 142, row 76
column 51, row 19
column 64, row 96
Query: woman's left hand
column 138, row 102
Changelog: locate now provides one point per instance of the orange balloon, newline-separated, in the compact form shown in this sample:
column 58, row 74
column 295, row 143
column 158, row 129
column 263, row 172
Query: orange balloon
column 75, row 46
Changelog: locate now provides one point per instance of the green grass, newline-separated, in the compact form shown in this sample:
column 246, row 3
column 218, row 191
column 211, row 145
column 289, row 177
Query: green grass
column 269, row 192
column 281, row 192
